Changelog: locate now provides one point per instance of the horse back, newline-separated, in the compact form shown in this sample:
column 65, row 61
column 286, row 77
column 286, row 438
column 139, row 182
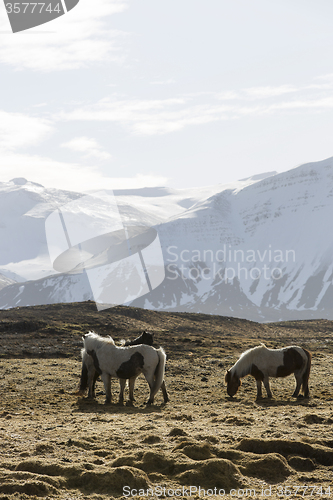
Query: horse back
column 144, row 349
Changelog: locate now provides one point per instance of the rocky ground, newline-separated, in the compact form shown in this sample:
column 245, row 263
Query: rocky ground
column 201, row 444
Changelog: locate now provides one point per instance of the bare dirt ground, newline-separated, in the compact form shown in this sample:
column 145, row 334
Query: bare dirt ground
column 57, row 445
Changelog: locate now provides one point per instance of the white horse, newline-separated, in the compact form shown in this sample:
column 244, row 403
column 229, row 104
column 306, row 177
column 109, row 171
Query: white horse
column 262, row 363
column 89, row 375
column 126, row 363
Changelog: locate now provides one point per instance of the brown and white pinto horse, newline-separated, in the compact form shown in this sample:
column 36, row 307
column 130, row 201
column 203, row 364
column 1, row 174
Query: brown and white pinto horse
column 262, row 363
column 126, row 363
column 89, row 374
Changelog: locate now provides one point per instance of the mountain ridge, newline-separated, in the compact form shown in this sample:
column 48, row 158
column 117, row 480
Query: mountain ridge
column 258, row 248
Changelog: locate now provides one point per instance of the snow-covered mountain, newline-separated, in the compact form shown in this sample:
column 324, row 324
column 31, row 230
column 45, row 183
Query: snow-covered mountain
column 264, row 250
column 260, row 248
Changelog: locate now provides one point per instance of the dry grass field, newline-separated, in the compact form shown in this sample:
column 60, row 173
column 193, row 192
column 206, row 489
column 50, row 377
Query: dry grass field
column 201, row 444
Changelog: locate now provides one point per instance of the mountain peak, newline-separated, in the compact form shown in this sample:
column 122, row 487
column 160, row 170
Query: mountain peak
column 19, row 181
column 22, row 181
column 259, row 177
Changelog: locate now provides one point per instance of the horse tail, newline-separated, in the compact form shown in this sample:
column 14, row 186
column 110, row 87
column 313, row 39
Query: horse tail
column 84, row 376
column 96, row 362
column 306, row 374
column 159, row 372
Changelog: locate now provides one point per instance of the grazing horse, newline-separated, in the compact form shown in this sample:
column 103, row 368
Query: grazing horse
column 262, row 363
column 89, row 374
column 126, row 363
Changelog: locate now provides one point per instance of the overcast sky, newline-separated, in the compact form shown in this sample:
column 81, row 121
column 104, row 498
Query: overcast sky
column 183, row 93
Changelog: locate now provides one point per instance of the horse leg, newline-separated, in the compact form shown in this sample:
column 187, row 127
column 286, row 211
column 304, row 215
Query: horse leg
column 164, row 392
column 150, row 379
column 107, row 386
column 131, row 384
column 306, row 391
column 259, row 391
column 298, row 378
column 267, row 387
column 306, row 374
column 92, row 377
column 122, row 383
column 95, row 377
column 151, row 396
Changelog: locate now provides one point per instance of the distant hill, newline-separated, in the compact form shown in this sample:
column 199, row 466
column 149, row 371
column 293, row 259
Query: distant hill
column 56, row 330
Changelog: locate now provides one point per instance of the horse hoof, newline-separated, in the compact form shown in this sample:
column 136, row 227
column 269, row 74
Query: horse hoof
column 79, row 393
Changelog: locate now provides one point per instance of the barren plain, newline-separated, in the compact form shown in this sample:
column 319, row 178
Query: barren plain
column 201, row 444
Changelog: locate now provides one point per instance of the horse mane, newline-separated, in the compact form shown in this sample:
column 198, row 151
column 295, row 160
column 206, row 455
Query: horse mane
column 242, row 367
column 95, row 336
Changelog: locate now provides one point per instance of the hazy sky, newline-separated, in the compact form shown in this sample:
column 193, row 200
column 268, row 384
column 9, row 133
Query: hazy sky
column 181, row 93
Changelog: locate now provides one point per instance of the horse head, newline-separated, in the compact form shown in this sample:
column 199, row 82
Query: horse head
column 147, row 338
column 233, row 383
